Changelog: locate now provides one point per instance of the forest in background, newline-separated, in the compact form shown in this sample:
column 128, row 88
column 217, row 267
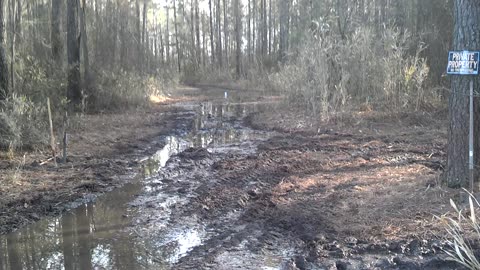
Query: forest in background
column 325, row 56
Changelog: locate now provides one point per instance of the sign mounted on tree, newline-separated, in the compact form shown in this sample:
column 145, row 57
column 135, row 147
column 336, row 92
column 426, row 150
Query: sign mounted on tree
column 463, row 62
column 466, row 63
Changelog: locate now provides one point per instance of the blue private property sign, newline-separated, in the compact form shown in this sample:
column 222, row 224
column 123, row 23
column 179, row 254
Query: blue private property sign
column 463, row 62
column 466, row 63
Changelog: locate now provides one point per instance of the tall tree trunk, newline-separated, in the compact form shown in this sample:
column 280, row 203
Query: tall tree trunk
column 225, row 30
column 211, row 31
column 179, row 63
column 114, row 36
column 466, row 37
column 197, row 30
column 18, row 22
column 219, row 34
column 193, row 48
column 275, row 28
column 167, row 35
column 98, row 30
column 138, row 34
column 254, row 26
column 123, row 20
column 270, row 27
column 144, row 34
column 204, row 40
column 12, row 45
column 144, row 20
column 84, row 40
column 56, row 31
column 74, row 93
column 238, row 37
column 283, row 29
column 162, row 46
column 264, row 27
column 249, row 31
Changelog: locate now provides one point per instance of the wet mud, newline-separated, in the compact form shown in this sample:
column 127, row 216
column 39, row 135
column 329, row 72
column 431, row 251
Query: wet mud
column 219, row 194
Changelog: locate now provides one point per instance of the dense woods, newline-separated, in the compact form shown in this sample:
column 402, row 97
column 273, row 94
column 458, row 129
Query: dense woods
column 235, row 37
column 298, row 133
column 326, row 56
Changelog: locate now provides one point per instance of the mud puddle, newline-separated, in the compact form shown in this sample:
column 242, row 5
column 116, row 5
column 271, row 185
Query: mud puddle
column 147, row 224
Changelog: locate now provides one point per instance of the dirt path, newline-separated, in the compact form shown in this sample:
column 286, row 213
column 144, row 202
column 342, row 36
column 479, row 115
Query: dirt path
column 306, row 201
column 103, row 153
column 221, row 188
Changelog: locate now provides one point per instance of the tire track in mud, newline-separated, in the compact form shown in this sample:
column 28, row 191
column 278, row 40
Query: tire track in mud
column 249, row 204
column 191, row 176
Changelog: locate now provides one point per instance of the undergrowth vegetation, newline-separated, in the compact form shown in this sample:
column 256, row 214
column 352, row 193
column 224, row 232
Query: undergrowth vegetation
column 124, row 91
column 331, row 75
column 24, row 115
column 463, row 231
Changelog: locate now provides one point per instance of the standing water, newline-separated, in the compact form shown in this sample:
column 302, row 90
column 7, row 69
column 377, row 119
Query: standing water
column 101, row 234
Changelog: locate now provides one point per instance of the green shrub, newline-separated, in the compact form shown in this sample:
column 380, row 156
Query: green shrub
column 23, row 124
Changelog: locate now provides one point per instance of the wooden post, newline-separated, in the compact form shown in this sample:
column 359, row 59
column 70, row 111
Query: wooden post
column 65, row 120
column 52, row 136
column 470, row 141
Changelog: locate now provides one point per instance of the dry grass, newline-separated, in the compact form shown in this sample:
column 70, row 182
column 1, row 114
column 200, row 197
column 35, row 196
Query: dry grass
column 328, row 75
column 462, row 228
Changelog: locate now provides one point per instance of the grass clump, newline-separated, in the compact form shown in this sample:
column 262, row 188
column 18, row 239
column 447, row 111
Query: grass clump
column 463, row 228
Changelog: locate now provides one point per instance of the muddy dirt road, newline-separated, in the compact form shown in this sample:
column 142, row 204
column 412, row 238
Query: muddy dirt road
column 224, row 193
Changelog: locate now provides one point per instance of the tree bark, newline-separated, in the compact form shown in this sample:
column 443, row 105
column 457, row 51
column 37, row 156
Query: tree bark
column 254, row 26
column 84, row 40
column 123, row 20
column 204, row 41
column 225, row 30
column 264, row 28
column 56, row 31
column 193, row 48
column 211, row 31
column 179, row 63
column 12, row 45
column 167, row 35
column 145, row 45
column 270, row 28
column 283, row 30
column 138, row 34
column 18, row 22
column 74, row 93
column 197, row 30
column 249, row 32
column 219, row 34
column 98, row 30
column 466, row 37
column 144, row 20
column 238, row 37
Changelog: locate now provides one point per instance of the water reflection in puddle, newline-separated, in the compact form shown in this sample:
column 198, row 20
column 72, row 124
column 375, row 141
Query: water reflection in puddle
column 87, row 237
column 94, row 235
